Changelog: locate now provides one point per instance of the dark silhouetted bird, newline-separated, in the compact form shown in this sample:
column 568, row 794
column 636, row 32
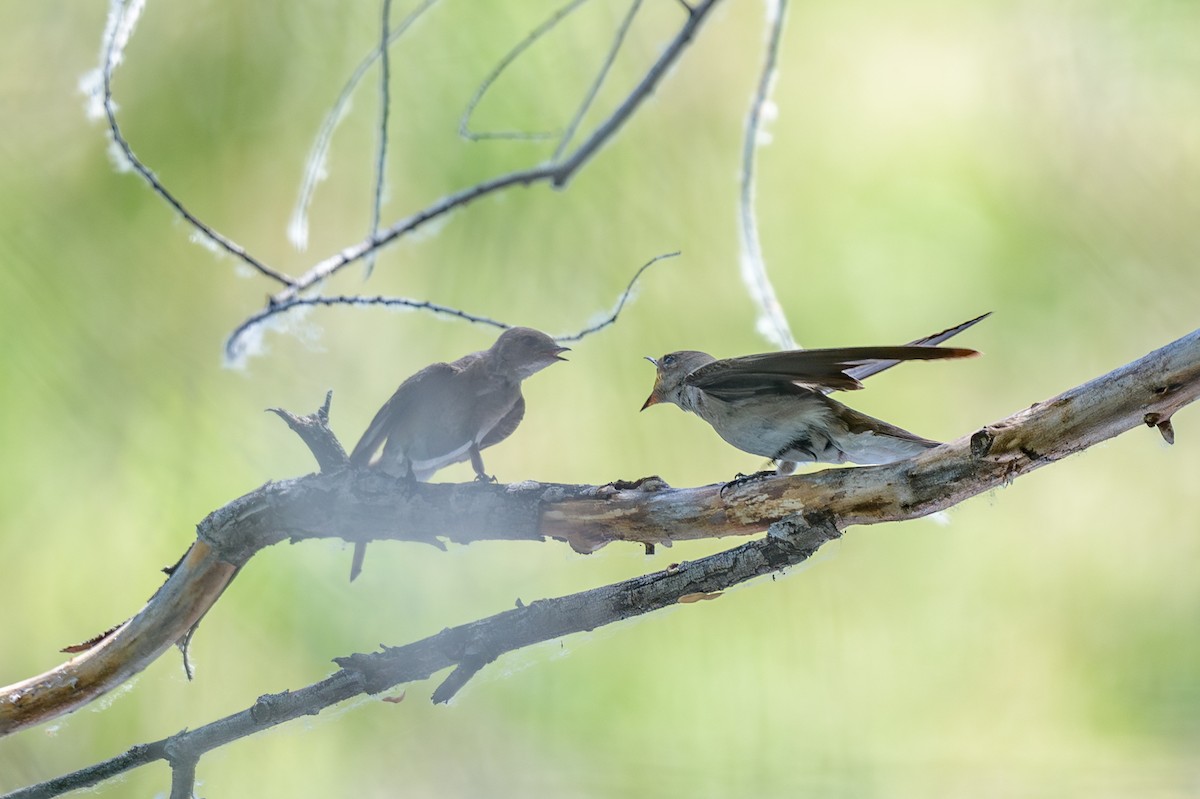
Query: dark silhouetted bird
column 447, row 412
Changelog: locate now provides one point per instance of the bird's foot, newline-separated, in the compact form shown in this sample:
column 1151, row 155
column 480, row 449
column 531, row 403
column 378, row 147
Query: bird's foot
column 745, row 479
column 485, row 478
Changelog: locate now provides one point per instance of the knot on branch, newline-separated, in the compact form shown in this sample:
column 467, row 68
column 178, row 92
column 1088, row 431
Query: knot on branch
column 1163, row 423
column 981, row 443
column 270, row 709
column 1007, row 442
column 368, row 670
column 647, row 485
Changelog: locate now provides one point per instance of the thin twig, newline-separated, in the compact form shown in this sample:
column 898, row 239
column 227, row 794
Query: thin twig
column 557, row 174
column 183, row 776
column 616, row 311
column 335, row 263
column 382, row 145
column 235, row 344
column 113, row 50
column 772, row 321
column 640, row 93
column 464, row 122
column 588, row 99
column 314, row 165
column 235, row 348
column 135, row 757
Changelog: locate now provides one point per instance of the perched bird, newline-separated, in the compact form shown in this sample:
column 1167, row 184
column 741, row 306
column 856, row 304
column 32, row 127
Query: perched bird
column 447, row 412
column 774, row 404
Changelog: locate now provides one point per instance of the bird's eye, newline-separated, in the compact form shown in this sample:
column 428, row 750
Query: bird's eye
column 668, row 360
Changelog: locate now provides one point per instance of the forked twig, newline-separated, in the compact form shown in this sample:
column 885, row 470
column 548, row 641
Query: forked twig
column 535, row 35
column 314, row 165
column 594, row 89
column 557, row 173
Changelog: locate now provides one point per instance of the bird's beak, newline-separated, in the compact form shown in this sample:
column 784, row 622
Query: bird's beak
column 558, row 351
column 654, row 397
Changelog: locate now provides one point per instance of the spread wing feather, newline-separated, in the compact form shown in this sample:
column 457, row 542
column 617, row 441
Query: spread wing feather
column 822, row 370
column 866, row 370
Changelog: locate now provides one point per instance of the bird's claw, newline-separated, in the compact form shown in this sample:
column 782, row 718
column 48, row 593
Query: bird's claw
column 485, row 478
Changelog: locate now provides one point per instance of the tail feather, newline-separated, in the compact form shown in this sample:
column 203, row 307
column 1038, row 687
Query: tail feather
column 360, row 552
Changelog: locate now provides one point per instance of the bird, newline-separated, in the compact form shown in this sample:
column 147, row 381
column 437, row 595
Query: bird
column 447, row 412
column 775, row 405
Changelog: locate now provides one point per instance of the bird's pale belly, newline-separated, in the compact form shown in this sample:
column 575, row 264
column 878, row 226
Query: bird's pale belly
column 774, row 427
column 800, row 429
column 423, row 469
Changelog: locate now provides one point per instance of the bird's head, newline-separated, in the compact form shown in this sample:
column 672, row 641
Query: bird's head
column 673, row 369
column 523, row 351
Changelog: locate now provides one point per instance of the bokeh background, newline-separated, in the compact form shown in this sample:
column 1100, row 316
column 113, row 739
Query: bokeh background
column 929, row 161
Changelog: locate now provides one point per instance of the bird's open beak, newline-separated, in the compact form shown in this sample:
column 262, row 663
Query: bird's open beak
column 654, row 398
column 558, row 351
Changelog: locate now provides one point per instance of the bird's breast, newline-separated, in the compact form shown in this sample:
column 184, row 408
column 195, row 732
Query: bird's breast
column 493, row 403
column 763, row 424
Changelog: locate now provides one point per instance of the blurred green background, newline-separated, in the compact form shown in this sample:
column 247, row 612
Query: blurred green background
column 929, row 161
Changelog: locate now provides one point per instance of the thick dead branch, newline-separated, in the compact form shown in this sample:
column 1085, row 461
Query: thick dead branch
column 365, row 506
column 470, row 647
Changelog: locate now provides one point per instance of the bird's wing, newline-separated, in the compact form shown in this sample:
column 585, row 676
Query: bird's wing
column 428, row 412
column 820, row 370
column 505, row 427
column 866, row 370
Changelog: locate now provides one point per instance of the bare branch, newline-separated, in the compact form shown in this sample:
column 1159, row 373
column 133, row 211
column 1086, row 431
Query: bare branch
column 470, row 647
column 557, row 174
column 183, row 773
column 590, row 97
column 135, row 757
column 544, row 27
column 193, row 587
column 113, row 48
column 235, row 345
column 385, row 96
column 365, row 506
column 626, row 295
column 314, row 169
column 640, row 93
column 772, row 321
